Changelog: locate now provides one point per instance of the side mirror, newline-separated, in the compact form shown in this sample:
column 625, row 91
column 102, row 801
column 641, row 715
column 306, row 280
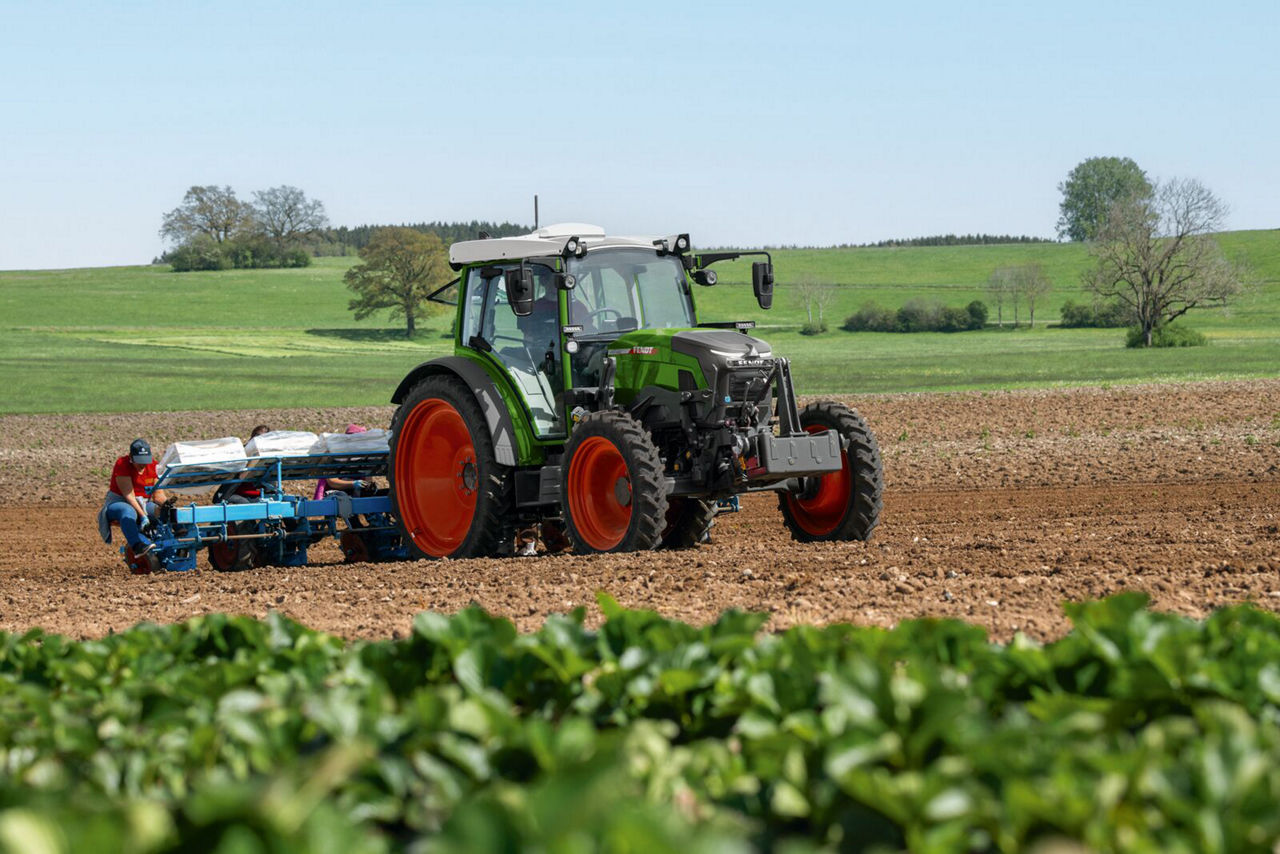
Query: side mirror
column 762, row 283
column 520, row 290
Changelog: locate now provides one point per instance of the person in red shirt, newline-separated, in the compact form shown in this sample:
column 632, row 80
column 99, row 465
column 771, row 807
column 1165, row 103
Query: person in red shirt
column 127, row 503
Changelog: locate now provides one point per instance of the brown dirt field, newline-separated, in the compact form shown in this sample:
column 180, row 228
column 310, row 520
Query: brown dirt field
column 998, row 507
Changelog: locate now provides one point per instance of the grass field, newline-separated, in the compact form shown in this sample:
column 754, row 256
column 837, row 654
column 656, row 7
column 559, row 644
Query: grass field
column 142, row 338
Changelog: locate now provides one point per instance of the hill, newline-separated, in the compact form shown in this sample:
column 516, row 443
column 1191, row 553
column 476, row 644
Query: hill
column 143, row 338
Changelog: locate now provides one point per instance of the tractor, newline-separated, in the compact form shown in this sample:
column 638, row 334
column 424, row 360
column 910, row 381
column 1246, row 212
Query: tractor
column 583, row 392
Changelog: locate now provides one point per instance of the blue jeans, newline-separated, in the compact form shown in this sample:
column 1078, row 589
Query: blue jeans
column 121, row 512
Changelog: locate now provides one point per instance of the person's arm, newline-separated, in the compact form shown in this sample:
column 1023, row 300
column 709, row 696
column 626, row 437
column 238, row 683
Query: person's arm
column 341, row 483
column 159, row 496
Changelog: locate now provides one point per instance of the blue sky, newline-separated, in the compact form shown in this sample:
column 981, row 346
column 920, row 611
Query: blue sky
column 744, row 122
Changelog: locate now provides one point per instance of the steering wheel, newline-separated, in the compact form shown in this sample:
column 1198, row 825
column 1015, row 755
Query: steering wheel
column 600, row 311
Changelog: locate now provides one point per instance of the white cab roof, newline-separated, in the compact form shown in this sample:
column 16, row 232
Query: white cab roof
column 548, row 240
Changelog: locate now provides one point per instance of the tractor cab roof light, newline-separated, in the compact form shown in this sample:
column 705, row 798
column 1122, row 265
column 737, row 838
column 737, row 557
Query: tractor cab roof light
column 573, row 248
column 677, row 244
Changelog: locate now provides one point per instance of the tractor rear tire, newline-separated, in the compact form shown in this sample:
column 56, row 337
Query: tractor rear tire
column 612, row 486
column 688, row 520
column 452, row 497
column 842, row 505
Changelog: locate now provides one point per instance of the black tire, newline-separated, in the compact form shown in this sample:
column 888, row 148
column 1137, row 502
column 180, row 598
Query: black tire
column 851, row 511
column 627, row 516
column 688, row 520
column 485, row 524
column 234, row 555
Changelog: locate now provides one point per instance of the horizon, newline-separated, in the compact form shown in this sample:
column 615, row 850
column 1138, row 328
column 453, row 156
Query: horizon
column 825, row 125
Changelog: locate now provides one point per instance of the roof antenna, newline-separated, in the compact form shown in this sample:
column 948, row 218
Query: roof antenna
column 535, row 211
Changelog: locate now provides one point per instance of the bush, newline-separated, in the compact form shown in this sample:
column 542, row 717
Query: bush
column 871, row 318
column 953, row 320
column 1108, row 315
column 917, row 316
column 242, row 253
column 1169, row 335
column 977, row 314
column 813, row 327
column 296, row 258
column 197, row 255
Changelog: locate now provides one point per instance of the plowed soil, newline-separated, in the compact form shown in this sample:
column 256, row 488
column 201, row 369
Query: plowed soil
column 998, row 507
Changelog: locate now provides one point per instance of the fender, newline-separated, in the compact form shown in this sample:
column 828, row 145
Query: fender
column 495, row 410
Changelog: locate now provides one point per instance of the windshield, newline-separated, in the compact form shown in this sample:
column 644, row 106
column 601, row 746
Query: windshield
column 623, row 289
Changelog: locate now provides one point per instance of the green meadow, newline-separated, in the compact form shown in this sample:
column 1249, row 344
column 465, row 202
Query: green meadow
column 142, row 338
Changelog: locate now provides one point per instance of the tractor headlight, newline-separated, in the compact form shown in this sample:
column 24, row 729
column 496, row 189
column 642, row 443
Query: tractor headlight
column 571, row 346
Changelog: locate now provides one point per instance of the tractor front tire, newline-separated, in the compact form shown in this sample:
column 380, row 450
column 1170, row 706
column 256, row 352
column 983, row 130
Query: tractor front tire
column 842, row 505
column 688, row 520
column 612, row 486
column 452, row 497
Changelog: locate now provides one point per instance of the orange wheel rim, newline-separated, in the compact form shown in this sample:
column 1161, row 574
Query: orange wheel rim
column 823, row 512
column 599, row 493
column 437, row 477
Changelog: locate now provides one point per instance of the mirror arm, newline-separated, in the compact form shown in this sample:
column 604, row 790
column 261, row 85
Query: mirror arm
column 706, row 259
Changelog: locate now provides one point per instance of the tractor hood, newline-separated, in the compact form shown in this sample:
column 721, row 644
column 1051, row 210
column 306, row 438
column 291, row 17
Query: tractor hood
column 715, row 350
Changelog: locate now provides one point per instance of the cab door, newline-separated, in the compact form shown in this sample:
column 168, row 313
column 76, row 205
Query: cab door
column 526, row 348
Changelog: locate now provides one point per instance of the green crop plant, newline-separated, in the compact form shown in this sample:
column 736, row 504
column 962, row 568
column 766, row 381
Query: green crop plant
column 1136, row 731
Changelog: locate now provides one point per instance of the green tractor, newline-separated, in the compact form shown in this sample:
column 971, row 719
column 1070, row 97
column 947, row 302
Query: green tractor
column 582, row 389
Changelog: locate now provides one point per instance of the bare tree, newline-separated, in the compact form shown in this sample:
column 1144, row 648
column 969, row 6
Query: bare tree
column 1157, row 256
column 1030, row 281
column 213, row 212
column 813, row 296
column 998, row 289
column 286, row 215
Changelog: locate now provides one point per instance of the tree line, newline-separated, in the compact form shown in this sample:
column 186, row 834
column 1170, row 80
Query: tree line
column 345, row 239
column 954, row 240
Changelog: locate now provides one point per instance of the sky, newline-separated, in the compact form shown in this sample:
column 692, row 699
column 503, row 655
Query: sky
column 741, row 123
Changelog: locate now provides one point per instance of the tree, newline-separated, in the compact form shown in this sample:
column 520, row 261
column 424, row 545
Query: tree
column 401, row 268
column 286, row 215
column 812, row 294
column 998, row 288
column 213, row 212
column 1030, row 282
column 1155, row 254
column 1007, row 283
column 1090, row 191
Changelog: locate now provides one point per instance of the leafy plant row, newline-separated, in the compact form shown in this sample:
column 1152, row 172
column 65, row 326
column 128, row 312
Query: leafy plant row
column 1137, row 731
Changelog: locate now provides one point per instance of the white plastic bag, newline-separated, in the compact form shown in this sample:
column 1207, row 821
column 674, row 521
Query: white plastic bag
column 211, row 455
column 368, row 442
column 283, row 443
